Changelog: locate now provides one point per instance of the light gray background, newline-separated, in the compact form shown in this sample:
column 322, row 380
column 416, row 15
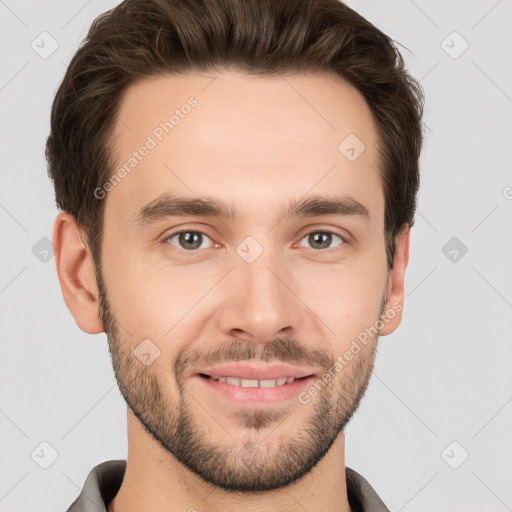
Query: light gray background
column 444, row 376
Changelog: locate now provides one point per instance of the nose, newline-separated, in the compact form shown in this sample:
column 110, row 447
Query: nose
column 259, row 301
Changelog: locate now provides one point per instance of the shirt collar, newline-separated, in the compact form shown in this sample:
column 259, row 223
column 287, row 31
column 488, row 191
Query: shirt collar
column 104, row 481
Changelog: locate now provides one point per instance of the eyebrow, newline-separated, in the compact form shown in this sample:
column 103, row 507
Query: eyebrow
column 311, row 206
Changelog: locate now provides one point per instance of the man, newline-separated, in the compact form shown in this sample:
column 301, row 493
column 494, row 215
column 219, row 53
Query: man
column 237, row 180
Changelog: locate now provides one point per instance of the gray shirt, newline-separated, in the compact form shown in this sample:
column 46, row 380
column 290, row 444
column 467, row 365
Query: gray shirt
column 105, row 479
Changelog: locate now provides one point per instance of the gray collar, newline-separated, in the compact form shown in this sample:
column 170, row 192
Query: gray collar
column 104, row 481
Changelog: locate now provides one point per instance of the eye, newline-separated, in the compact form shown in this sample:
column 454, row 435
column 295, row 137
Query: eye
column 321, row 240
column 189, row 240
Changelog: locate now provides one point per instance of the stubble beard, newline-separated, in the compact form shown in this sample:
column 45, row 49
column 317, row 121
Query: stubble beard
column 256, row 460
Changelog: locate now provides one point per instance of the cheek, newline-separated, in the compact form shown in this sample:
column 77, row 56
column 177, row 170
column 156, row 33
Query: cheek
column 347, row 299
column 159, row 303
column 134, row 297
column 350, row 311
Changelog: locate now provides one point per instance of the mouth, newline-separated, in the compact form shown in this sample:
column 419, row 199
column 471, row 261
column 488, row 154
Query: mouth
column 250, row 386
column 253, row 383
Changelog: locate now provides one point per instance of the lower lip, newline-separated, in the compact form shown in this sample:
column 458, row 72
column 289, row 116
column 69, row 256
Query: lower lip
column 259, row 397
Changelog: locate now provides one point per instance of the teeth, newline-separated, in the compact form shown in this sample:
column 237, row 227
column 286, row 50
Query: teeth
column 248, row 383
column 267, row 383
column 233, row 380
column 254, row 383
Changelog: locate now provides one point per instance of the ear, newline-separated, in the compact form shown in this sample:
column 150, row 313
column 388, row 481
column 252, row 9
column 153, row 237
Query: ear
column 75, row 269
column 392, row 315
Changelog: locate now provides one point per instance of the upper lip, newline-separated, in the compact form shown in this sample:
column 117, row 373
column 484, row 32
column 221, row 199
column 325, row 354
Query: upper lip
column 258, row 372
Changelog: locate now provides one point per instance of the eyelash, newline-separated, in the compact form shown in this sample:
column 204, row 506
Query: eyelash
column 194, row 252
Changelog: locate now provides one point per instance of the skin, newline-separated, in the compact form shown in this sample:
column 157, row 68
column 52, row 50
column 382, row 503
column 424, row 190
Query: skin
column 256, row 143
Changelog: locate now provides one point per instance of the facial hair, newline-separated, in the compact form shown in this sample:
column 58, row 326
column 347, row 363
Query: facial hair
column 251, row 463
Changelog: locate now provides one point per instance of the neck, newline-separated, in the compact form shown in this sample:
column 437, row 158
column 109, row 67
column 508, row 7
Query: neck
column 156, row 481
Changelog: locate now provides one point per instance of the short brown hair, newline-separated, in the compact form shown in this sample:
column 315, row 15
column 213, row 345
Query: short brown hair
column 144, row 38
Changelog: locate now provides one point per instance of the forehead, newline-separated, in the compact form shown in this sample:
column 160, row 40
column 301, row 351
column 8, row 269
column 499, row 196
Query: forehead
column 247, row 140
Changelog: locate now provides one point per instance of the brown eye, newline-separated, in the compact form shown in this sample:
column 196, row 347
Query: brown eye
column 189, row 240
column 321, row 240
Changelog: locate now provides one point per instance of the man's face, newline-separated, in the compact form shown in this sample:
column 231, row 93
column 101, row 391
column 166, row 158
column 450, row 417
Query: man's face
column 258, row 290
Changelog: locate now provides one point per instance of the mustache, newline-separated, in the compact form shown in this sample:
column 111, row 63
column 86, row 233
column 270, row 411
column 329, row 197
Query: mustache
column 283, row 349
